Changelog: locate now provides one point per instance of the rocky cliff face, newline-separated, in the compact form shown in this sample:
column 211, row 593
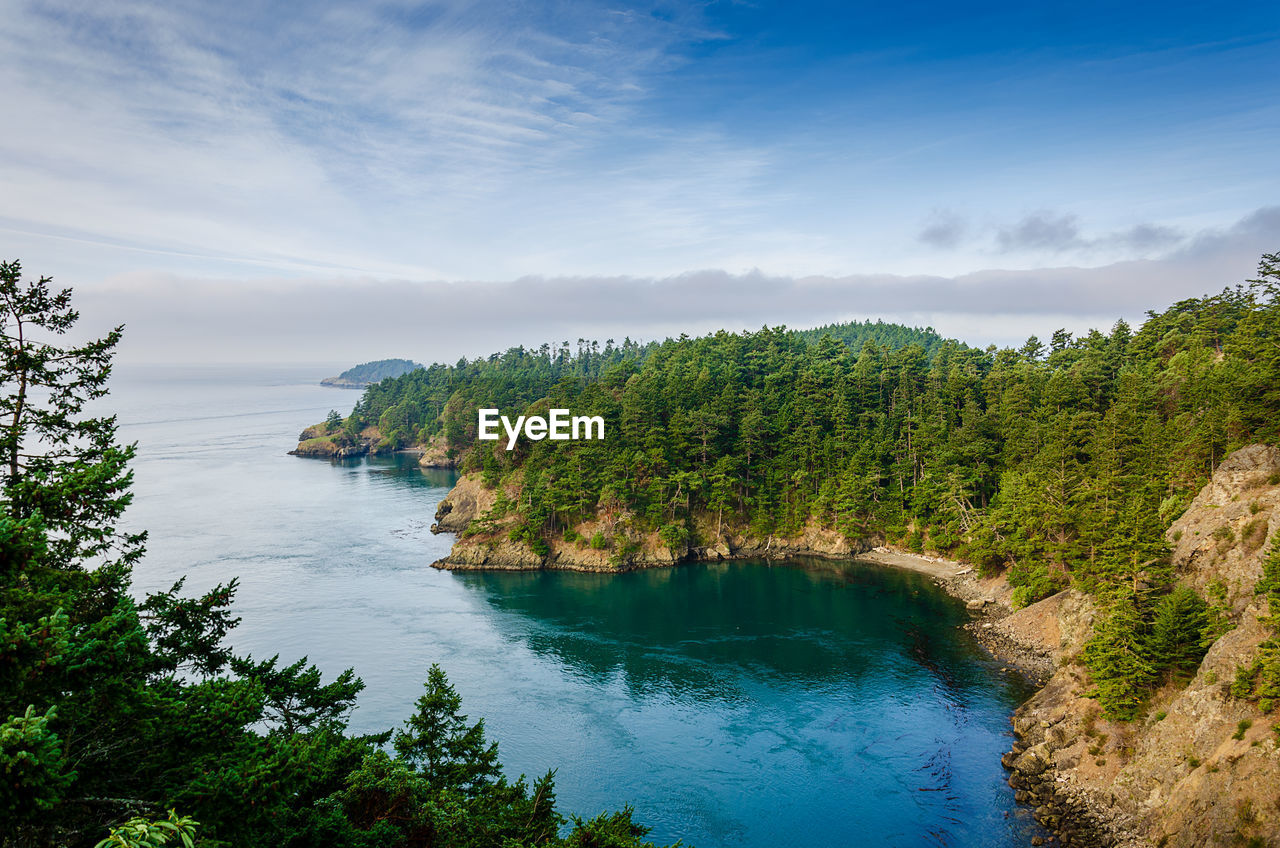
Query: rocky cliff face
column 1203, row 768
column 485, row 543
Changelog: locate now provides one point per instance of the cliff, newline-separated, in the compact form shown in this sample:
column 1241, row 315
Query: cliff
column 1203, row 767
column 610, row 542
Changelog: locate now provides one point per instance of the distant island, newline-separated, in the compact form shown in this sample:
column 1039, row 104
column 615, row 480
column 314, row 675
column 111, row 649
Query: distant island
column 367, row 373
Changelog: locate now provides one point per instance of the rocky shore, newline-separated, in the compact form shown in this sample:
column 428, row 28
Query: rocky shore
column 1203, row 768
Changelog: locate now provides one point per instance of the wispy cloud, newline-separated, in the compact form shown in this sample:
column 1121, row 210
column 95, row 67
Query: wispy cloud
column 325, row 133
column 457, row 140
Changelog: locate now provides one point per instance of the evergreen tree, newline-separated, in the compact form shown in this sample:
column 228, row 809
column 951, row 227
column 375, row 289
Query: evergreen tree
column 1116, row 657
column 447, row 751
column 1177, row 630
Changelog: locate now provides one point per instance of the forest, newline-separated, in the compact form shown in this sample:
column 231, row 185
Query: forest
column 1059, row 464
column 126, row 722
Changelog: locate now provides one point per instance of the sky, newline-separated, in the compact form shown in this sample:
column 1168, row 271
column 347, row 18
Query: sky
column 339, row 181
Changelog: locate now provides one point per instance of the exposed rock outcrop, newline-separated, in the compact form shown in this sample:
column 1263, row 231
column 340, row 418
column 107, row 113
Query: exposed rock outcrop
column 1219, row 541
column 1181, row 777
column 435, row 454
column 468, row 501
column 318, row 440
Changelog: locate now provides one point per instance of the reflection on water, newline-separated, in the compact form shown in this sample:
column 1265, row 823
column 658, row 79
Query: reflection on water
column 745, row 704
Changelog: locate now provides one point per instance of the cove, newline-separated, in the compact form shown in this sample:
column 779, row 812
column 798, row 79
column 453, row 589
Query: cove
column 815, row 703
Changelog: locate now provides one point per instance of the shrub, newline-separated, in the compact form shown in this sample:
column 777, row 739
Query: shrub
column 598, row 541
column 674, row 536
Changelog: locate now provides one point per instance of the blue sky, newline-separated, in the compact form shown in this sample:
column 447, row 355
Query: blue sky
column 172, row 148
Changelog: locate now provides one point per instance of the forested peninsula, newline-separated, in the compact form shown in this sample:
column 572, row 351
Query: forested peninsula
column 1119, row 484
column 368, row 373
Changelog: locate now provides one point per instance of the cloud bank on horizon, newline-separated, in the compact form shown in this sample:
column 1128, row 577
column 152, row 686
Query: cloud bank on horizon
column 828, row 160
column 182, row 319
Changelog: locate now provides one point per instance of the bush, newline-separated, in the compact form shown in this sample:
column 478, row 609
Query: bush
column 598, row 541
column 674, row 536
column 1034, row 583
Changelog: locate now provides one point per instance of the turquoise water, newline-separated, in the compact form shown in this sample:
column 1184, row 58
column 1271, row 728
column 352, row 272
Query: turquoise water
column 745, row 704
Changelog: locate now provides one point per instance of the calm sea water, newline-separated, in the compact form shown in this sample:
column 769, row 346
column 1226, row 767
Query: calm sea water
column 749, row 704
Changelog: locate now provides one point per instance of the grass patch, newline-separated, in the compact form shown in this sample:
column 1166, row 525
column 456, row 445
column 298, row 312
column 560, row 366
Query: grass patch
column 1254, row 534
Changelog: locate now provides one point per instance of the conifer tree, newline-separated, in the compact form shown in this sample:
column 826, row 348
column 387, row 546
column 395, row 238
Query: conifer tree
column 1116, row 658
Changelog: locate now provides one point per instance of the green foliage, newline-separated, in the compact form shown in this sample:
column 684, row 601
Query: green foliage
column 1179, row 623
column 1117, row 658
column 58, row 462
column 141, row 832
column 609, row 830
column 1141, row 642
column 448, row 752
column 674, row 536
column 1061, row 465
column 31, row 761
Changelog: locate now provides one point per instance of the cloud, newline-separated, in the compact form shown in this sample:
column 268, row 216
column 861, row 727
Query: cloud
column 1041, row 231
column 1049, row 232
column 332, row 319
column 944, row 230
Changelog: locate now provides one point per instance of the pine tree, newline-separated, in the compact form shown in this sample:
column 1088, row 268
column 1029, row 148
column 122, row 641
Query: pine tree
column 1177, row 630
column 448, row 752
column 1116, row 657
column 57, row 461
